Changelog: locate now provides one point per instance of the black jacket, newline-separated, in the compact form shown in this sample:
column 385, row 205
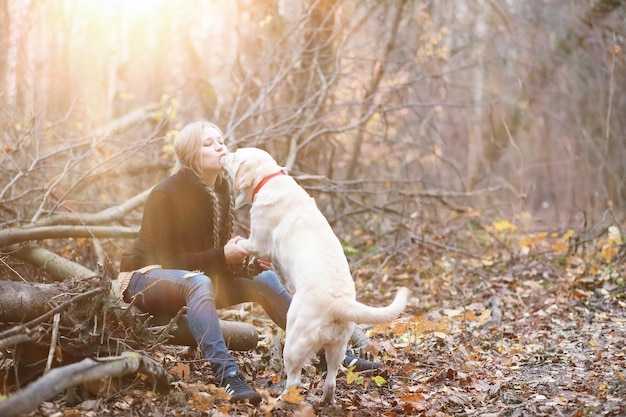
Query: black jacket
column 177, row 228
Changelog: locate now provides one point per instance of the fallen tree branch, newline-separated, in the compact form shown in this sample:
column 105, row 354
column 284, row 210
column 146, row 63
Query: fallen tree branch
column 18, row 235
column 19, row 338
column 140, row 115
column 59, row 379
column 237, row 335
column 110, row 215
column 450, row 194
column 57, row 266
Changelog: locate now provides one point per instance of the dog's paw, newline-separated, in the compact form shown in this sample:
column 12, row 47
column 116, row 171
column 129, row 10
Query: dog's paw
column 244, row 243
column 292, row 395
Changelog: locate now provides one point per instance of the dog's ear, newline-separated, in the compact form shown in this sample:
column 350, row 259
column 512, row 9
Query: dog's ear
column 244, row 177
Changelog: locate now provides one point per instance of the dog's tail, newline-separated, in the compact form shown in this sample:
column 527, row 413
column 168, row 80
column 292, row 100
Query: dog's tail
column 361, row 313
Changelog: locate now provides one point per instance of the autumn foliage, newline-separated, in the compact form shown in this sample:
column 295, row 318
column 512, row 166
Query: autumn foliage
column 516, row 323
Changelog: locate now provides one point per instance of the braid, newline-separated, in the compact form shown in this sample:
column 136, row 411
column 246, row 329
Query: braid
column 223, row 211
column 215, row 215
column 224, row 215
column 228, row 208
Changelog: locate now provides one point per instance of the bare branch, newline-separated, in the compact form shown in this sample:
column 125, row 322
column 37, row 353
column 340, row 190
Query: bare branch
column 107, row 216
column 17, row 235
column 57, row 266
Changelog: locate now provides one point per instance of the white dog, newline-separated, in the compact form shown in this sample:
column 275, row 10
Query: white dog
column 287, row 227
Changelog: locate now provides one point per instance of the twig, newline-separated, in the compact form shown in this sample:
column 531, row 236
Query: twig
column 53, row 342
column 13, row 270
column 171, row 326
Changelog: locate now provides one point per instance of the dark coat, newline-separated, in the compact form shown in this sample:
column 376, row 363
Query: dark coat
column 177, row 228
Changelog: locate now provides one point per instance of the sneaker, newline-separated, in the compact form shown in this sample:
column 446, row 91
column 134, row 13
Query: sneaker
column 236, row 386
column 352, row 360
column 360, row 364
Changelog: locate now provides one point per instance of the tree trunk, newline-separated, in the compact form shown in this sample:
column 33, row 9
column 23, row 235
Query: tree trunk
column 374, row 84
column 502, row 131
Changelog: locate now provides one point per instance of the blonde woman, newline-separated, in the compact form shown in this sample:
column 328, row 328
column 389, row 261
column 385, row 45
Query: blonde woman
column 185, row 255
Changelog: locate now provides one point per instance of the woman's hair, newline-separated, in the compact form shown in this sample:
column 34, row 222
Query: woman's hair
column 223, row 211
column 187, row 146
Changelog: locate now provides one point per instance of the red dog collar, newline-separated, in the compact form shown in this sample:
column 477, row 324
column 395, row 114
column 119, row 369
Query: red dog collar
column 265, row 180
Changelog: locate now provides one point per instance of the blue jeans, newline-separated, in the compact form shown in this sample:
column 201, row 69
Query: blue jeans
column 165, row 291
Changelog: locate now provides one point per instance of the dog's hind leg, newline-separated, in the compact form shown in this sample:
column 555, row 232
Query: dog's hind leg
column 334, row 356
column 295, row 354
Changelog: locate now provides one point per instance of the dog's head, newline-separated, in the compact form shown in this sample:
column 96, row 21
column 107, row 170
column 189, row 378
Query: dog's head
column 247, row 167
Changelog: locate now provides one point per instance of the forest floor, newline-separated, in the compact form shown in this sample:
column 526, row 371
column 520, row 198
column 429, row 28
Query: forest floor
column 534, row 327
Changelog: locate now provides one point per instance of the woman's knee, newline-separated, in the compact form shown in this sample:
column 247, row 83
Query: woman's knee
column 270, row 280
column 199, row 283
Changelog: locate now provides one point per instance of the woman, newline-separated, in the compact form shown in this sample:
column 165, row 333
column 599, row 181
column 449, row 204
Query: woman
column 184, row 256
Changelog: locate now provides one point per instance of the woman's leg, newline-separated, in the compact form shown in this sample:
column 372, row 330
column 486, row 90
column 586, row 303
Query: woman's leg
column 264, row 289
column 166, row 291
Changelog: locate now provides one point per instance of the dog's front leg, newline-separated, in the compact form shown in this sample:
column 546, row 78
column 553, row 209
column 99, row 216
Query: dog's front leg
column 255, row 247
column 249, row 245
column 257, row 244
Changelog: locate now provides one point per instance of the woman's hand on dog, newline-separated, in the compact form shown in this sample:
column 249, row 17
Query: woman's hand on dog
column 236, row 255
column 264, row 264
column 233, row 253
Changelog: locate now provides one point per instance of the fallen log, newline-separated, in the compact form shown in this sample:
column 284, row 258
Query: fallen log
column 21, row 301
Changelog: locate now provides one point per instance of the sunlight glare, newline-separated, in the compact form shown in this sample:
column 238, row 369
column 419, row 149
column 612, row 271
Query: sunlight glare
column 131, row 9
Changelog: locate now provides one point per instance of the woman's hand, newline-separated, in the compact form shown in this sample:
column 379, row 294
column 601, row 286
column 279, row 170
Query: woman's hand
column 233, row 253
column 264, row 264
column 239, row 259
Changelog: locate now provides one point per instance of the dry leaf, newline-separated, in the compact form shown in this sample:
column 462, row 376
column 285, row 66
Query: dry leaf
column 292, row 395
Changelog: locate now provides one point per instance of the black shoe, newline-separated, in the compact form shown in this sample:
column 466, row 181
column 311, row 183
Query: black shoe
column 352, row 360
column 360, row 364
column 236, row 386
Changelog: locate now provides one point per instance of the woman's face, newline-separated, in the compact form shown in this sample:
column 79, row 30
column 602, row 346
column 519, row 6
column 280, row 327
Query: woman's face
column 212, row 149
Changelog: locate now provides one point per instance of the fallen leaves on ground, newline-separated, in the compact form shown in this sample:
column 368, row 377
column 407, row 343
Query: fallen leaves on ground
column 532, row 326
